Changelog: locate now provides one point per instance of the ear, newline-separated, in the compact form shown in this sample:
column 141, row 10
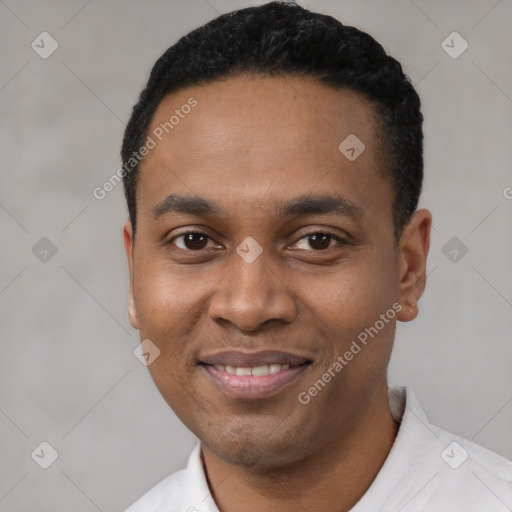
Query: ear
column 128, row 248
column 414, row 244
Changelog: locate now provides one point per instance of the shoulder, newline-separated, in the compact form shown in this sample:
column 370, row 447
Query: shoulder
column 184, row 491
column 470, row 478
column 167, row 493
column 431, row 469
column 467, row 476
column 464, row 458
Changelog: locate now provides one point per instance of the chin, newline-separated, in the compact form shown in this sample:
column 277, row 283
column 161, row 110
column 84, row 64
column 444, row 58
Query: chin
column 253, row 454
column 247, row 446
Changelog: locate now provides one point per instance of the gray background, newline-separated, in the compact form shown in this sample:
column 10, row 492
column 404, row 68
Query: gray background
column 68, row 374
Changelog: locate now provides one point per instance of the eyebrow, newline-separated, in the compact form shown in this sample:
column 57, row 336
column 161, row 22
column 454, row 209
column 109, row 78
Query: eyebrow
column 300, row 206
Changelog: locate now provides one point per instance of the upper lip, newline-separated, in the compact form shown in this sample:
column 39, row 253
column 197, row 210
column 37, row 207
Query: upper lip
column 253, row 359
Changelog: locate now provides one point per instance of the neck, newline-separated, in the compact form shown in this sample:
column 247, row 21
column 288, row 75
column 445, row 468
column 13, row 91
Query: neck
column 333, row 478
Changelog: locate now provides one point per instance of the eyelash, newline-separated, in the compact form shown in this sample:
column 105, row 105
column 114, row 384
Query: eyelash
column 336, row 237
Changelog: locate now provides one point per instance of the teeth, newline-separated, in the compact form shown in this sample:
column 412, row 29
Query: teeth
column 257, row 371
column 274, row 368
column 260, row 370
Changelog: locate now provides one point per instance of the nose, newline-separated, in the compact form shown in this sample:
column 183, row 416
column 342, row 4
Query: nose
column 252, row 294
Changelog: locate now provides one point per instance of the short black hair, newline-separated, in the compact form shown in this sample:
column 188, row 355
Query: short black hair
column 280, row 39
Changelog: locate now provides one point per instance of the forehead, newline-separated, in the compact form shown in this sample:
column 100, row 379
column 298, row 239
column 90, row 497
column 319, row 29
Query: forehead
column 255, row 139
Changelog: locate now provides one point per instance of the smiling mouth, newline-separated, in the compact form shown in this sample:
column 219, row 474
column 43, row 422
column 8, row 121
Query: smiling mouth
column 251, row 376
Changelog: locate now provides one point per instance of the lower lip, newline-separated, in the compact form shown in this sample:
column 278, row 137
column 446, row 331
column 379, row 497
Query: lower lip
column 252, row 387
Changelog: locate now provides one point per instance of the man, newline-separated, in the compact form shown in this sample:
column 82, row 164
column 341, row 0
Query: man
column 273, row 165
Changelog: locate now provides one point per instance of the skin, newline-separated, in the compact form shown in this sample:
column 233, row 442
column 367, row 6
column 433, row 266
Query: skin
column 250, row 145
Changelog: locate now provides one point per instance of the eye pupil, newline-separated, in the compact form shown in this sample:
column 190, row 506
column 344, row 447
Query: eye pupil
column 320, row 238
column 196, row 240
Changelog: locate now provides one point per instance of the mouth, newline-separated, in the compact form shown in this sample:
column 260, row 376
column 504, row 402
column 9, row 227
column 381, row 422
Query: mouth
column 253, row 375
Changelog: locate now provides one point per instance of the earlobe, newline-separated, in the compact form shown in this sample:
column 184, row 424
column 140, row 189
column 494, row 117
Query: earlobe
column 408, row 312
column 132, row 312
column 414, row 245
column 128, row 247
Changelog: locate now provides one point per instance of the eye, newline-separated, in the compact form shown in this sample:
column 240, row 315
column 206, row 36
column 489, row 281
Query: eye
column 190, row 241
column 196, row 241
column 319, row 241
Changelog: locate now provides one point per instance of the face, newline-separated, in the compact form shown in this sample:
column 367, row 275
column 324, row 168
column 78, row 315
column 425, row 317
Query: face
column 262, row 254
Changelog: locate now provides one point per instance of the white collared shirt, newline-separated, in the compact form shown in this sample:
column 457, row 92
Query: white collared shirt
column 427, row 470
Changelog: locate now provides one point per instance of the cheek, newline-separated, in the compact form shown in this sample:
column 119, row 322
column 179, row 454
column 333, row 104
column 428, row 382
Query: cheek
column 362, row 289
column 166, row 300
column 168, row 311
column 171, row 305
column 349, row 305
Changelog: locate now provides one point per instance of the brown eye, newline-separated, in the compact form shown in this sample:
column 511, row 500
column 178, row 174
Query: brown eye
column 318, row 241
column 195, row 241
column 191, row 241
